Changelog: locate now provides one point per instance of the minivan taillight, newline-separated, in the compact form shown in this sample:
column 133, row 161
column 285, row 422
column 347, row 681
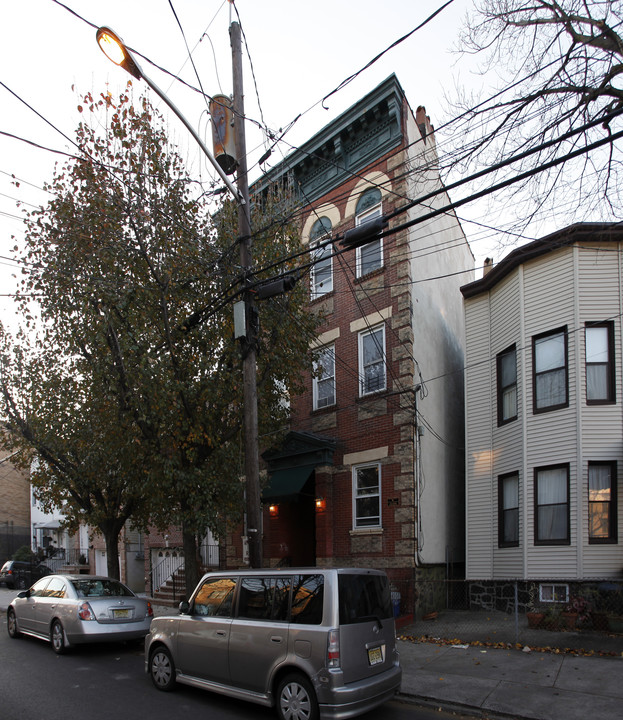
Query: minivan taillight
column 333, row 649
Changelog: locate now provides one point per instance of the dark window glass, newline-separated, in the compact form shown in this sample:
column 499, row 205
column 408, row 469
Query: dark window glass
column 507, row 385
column 101, row 587
column 307, row 599
column 552, row 505
column 264, row 598
column 363, row 597
column 602, row 505
column 215, row 597
column 508, row 514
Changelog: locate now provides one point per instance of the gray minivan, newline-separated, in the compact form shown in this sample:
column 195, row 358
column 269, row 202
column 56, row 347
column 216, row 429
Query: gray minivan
column 312, row 642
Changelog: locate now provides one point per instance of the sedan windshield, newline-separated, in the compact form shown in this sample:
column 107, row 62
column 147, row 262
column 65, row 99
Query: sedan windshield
column 100, row 587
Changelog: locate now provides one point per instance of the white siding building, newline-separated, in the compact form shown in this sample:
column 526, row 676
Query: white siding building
column 544, row 410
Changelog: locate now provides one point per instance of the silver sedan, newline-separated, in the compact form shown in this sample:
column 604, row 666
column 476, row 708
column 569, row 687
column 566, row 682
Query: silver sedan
column 67, row 610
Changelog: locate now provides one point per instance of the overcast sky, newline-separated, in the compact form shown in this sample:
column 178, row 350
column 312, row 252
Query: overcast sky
column 300, row 52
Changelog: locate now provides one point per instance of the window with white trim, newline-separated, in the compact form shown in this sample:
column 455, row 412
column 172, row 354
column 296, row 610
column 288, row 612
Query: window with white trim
column 367, row 496
column 369, row 257
column 324, row 378
column 321, row 274
column 372, row 373
column 553, row 593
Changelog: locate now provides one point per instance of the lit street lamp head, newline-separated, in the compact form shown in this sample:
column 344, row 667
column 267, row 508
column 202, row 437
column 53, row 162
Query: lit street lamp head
column 113, row 47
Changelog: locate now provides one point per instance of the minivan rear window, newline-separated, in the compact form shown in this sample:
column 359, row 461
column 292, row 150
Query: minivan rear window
column 363, row 597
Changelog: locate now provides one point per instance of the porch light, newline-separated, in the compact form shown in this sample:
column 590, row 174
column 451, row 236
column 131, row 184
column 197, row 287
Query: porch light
column 273, row 511
column 321, row 504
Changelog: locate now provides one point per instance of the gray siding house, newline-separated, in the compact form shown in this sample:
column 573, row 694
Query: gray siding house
column 544, row 410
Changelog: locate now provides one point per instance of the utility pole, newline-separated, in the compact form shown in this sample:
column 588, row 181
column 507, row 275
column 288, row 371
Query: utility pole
column 249, row 344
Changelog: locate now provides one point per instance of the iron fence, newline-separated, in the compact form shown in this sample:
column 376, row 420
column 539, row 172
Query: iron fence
column 585, row 615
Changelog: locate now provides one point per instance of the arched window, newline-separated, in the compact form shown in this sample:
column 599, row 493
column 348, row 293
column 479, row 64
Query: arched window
column 321, row 275
column 369, row 257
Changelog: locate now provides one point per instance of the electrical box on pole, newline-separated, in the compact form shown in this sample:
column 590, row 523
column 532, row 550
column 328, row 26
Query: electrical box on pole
column 223, row 133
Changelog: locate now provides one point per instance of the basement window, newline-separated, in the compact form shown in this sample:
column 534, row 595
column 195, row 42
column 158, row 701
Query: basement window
column 552, row 593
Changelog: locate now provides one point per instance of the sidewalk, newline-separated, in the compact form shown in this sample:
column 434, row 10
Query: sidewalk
column 485, row 681
column 513, row 683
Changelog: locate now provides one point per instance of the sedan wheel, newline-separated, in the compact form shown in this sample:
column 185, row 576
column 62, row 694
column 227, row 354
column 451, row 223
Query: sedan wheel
column 57, row 638
column 296, row 699
column 11, row 624
column 162, row 669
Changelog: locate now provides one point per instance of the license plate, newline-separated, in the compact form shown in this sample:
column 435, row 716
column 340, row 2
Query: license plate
column 121, row 613
column 375, row 655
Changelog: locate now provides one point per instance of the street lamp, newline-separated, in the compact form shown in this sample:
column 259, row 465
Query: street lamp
column 115, row 50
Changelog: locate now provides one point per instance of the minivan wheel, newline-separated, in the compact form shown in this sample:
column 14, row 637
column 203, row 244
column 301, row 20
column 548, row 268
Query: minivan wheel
column 296, row 699
column 57, row 638
column 11, row 624
column 162, row 669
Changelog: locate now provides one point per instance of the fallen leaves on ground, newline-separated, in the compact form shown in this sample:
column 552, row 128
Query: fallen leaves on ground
column 509, row 646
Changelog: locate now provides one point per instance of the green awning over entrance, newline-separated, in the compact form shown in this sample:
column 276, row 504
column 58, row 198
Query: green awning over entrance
column 286, row 483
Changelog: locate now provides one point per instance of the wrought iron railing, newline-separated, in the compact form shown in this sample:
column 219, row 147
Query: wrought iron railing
column 170, row 568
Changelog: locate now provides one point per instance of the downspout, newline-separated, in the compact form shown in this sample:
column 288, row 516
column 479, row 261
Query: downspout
column 417, row 528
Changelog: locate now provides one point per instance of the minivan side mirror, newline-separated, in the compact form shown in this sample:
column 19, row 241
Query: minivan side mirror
column 184, row 607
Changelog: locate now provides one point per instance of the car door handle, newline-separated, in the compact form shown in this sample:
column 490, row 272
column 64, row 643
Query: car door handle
column 221, row 633
column 276, row 638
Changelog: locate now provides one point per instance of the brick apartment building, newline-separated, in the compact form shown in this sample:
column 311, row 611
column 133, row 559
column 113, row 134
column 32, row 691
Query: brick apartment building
column 372, row 471
column 14, row 505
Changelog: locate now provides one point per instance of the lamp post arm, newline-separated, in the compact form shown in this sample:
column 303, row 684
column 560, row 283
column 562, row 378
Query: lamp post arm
column 235, row 193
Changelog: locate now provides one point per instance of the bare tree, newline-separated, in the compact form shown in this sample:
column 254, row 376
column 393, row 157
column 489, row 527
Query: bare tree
column 560, row 67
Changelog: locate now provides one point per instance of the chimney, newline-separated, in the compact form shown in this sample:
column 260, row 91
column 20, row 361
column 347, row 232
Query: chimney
column 423, row 122
column 487, row 267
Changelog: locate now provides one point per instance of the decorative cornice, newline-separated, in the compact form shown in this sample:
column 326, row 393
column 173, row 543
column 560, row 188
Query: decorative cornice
column 366, row 131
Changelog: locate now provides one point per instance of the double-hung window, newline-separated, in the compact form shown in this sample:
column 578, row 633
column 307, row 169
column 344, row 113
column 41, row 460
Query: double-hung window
column 369, row 257
column 324, row 378
column 507, row 385
column 508, row 510
column 602, row 515
column 549, row 357
column 367, row 496
column 321, row 274
column 372, row 373
column 551, row 498
column 599, row 342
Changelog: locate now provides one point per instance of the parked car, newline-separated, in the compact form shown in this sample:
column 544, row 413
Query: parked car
column 68, row 610
column 314, row 642
column 20, row 574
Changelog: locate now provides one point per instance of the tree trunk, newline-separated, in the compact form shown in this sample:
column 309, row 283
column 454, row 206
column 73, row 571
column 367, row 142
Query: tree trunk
column 191, row 560
column 111, row 537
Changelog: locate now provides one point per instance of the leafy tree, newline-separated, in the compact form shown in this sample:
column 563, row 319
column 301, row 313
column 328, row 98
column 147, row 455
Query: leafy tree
column 132, row 392
column 560, row 65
